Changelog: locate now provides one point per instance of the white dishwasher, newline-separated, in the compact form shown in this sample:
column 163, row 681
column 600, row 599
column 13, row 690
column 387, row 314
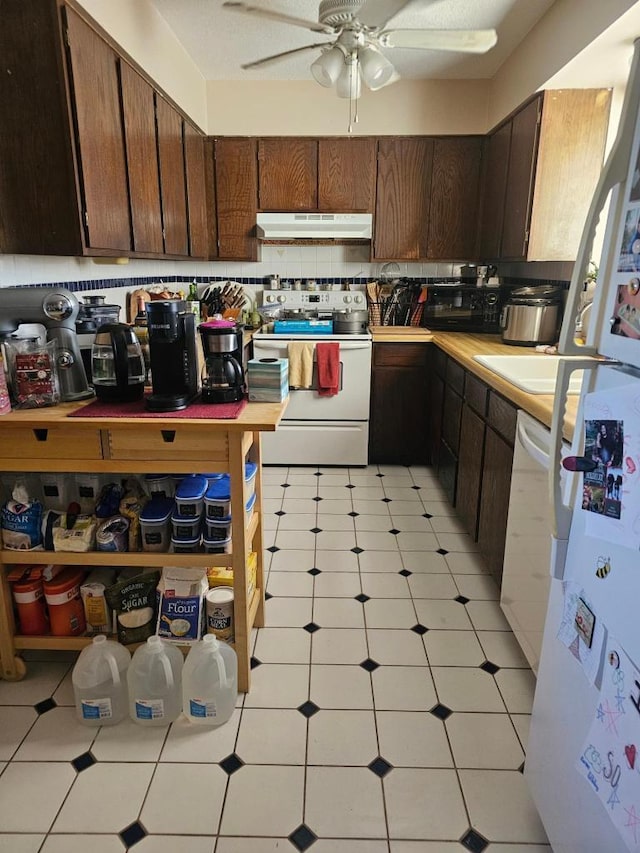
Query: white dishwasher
column 526, row 579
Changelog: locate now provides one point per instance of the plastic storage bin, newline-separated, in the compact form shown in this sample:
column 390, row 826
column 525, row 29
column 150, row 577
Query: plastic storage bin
column 216, row 546
column 248, row 509
column 217, row 499
column 250, row 471
column 217, row 528
column 55, row 491
column 155, row 524
column 159, row 485
column 190, row 496
column 184, row 527
column 99, row 681
column 185, row 546
column 154, row 681
column 209, row 682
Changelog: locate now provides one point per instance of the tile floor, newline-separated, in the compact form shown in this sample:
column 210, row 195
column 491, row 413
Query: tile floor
column 388, row 712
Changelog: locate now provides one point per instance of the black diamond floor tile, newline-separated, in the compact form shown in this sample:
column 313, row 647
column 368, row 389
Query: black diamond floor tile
column 83, row 761
column 394, row 531
column 353, row 514
column 316, row 530
column 302, row 838
column 369, row 665
column 442, row 551
column 379, row 475
column 308, row 709
column 280, row 512
column 273, row 549
column 349, row 486
column 255, row 662
column 318, row 474
column 419, row 629
column 380, row 767
column 462, row 599
column 284, row 485
column 231, row 763
column 362, row 598
column 45, row 705
column 426, row 515
column 357, row 550
column 416, row 488
column 473, row 841
column 441, row 712
column 521, row 768
column 132, row 834
column 386, row 500
column 489, row 667
column 314, row 572
column 267, row 596
column 405, row 573
column 316, row 499
column 311, row 627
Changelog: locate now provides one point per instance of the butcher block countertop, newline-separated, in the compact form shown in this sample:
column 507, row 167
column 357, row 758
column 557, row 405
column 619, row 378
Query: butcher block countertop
column 462, row 346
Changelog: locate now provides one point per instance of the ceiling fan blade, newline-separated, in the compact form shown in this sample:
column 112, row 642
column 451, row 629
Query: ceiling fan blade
column 376, row 13
column 464, row 41
column 247, row 8
column 278, row 56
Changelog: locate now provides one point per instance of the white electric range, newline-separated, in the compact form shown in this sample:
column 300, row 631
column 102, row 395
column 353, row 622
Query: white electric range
column 319, row 430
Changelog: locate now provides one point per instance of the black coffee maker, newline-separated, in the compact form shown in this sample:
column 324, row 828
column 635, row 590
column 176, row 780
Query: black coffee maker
column 172, row 350
column 222, row 375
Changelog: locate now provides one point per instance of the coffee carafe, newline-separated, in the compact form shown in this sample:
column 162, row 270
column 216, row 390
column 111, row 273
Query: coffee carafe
column 172, row 352
column 222, row 374
column 117, row 365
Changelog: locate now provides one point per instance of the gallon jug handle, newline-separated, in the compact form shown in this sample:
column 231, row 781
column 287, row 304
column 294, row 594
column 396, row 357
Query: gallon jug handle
column 168, row 672
column 113, row 666
column 222, row 673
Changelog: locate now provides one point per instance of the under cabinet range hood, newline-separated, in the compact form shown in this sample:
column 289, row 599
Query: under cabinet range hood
column 288, row 227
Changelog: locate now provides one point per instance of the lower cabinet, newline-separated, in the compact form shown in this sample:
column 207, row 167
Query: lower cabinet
column 494, row 501
column 399, row 421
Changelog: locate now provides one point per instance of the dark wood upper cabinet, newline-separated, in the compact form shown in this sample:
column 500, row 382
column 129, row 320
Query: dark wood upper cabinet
column 494, row 186
column 403, row 198
column 172, row 179
column 94, row 72
column 455, row 197
column 236, row 189
column 196, row 193
column 138, row 110
column 288, row 174
column 518, row 197
column 346, row 174
column 211, row 196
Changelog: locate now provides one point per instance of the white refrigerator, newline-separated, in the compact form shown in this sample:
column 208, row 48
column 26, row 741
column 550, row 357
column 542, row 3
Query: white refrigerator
column 581, row 764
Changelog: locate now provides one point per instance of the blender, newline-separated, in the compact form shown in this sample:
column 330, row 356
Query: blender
column 222, row 374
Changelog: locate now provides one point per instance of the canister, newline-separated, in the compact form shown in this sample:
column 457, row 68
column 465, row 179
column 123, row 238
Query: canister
column 155, row 525
column 66, row 610
column 220, row 612
column 159, row 485
column 190, row 496
column 218, row 498
column 216, row 546
column 30, row 603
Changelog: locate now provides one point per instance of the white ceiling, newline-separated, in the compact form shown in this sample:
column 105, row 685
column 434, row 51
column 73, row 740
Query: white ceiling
column 219, row 40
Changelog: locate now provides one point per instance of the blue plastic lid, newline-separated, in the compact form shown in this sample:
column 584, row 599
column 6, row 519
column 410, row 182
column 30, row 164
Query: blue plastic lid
column 249, row 504
column 250, row 470
column 214, row 476
column 185, row 519
column 192, row 488
column 157, row 510
column 216, row 543
column 195, row 541
column 219, row 490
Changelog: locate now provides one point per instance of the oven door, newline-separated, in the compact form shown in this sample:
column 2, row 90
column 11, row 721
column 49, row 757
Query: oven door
column 351, row 403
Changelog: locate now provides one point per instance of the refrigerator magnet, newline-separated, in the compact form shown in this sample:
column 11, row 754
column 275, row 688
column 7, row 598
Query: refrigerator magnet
column 585, row 621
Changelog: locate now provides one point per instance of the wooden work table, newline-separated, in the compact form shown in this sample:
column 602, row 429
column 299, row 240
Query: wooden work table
column 47, row 439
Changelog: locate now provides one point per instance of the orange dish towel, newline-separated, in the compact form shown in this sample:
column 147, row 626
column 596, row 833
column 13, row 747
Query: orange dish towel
column 328, row 359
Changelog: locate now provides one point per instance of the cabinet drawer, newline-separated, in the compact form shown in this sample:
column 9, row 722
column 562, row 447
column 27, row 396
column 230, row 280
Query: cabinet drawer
column 203, row 445
column 502, row 417
column 476, row 394
column 400, row 355
column 55, row 442
column 455, row 376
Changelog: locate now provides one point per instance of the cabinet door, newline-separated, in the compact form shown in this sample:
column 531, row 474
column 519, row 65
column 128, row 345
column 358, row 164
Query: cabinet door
column 470, row 457
column 196, row 200
column 346, row 174
column 96, row 101
column 436, row 403
column 399, row 406
column 519, row 194
column 403, row 198
column 495, row 167
column 236, row 187
column 494, row 501
column 172, row 179
column 210, row 195
column 142, row 160
column 288, row 170
column 455, row 196
column 451, row 416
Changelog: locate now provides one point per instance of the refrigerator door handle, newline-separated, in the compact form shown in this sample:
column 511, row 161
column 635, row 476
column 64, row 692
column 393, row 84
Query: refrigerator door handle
column 612, row 178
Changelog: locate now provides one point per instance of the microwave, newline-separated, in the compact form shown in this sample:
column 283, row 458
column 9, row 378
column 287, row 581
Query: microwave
column 463, row 308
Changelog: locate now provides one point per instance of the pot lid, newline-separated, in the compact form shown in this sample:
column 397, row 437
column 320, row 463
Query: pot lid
column 539, row 291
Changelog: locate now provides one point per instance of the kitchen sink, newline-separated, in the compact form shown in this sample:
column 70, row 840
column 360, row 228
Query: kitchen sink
column 535, row 374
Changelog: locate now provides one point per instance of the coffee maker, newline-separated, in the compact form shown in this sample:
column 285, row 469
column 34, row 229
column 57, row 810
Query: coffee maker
column 56, row 309
column 222, row 375
column 172, row 350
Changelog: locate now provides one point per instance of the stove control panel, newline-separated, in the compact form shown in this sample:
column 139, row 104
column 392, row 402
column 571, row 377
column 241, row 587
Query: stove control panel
column 304, row 299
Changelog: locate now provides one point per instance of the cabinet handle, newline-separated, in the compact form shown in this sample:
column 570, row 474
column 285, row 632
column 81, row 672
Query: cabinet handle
column 41, row 434
column 168, row 435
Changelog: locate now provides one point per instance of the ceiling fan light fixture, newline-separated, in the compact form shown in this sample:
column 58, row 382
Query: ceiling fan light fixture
column 375, row 68
column 348, row 84
column 328, row 66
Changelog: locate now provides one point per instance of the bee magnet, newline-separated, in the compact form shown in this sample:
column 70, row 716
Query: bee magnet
column 603, row 567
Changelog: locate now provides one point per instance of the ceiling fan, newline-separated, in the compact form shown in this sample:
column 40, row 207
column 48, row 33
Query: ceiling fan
column 357, row 28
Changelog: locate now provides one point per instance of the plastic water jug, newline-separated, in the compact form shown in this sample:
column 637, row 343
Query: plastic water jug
column 99, row 681
column 155, row 683
column 209, row 682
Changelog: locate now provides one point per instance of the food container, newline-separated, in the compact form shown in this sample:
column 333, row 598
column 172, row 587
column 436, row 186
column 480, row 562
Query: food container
column 250, row 471
column 155, row 524
column 216, row 546
column 220, row 612
column 96, row 611
column 66, row 610
column 213, row 477
column 185, row 546
column 184, row 528
column 248, row 510
column 224, row 576
column 217, row 500
column 217, row 528
column 88, row 489
column 30, row 604
column 159, row 485
column 55, row 491
column 190, row 496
